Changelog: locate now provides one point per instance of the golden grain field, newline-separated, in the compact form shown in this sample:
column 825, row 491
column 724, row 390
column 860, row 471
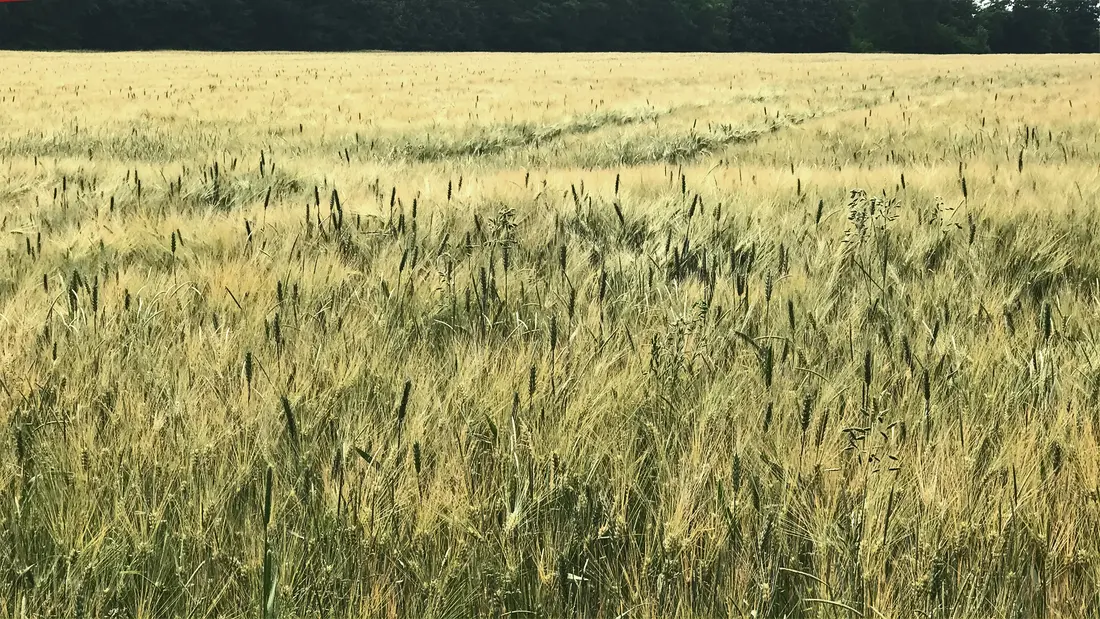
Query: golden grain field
column 602, row 336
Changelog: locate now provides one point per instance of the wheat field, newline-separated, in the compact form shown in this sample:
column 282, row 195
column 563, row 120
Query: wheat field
column 603, row 336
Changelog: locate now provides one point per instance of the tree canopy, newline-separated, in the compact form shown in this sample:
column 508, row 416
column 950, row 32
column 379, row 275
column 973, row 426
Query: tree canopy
column 915, row 26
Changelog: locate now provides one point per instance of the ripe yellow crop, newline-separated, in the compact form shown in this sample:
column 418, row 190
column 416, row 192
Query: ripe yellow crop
column 415, row 335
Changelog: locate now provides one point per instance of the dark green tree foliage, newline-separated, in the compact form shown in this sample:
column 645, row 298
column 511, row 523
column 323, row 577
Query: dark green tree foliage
column 925, row 26
column 1077, row 20
column 1032, row 27
column 790, row 25
column 919, row 26
column 995, row 18
column 753, row 24
column 1041, row 26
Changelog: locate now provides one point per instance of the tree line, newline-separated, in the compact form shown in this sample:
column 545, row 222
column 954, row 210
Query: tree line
column 909, row 26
